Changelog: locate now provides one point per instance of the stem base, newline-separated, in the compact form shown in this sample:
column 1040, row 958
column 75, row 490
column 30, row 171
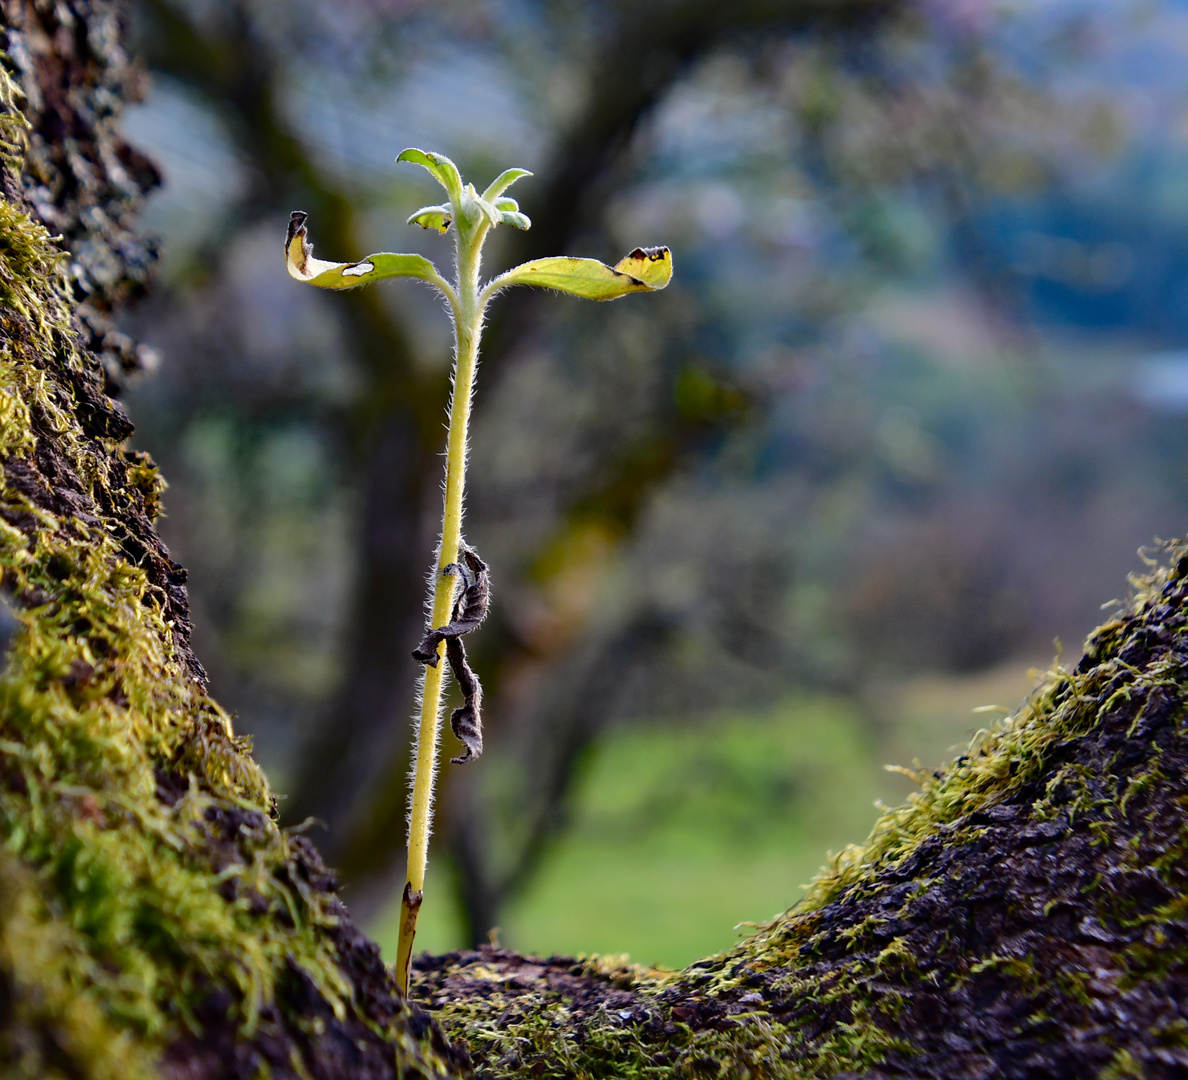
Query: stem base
column 410, row 908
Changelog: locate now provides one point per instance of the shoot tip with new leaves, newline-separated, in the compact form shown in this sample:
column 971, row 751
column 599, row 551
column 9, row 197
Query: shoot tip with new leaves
column 471, row 216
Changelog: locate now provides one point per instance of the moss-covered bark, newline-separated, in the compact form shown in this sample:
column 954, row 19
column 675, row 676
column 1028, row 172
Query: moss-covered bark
column 1023, row 915
column 153, row 916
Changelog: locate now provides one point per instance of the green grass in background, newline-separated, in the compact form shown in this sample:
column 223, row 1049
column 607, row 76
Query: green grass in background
column 680, row 833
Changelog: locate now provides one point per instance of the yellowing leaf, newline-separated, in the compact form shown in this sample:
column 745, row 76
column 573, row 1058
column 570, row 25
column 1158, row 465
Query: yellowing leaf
column 652, row 266
column 432, row 217
column 644, row 270
column 331, row 275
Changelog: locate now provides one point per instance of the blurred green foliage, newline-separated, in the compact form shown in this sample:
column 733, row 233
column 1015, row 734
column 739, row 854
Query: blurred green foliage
column 899, row 414
column 678, row 833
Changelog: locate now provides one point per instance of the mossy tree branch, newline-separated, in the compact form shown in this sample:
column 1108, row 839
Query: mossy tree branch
column 1021, row 915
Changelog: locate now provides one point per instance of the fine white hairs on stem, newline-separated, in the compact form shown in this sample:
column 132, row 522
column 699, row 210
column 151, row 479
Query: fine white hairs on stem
column 451, row 612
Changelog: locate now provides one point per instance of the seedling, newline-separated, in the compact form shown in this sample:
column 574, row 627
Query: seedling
column 456, row 612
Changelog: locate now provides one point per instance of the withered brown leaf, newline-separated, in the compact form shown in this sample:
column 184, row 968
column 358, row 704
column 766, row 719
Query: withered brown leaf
column 470, row 609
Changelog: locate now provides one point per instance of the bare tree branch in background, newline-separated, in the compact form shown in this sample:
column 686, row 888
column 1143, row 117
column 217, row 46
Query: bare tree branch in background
column 392, row 428
column 647, row 50
column 352, row 770
column 354, row 764
column 486, row 884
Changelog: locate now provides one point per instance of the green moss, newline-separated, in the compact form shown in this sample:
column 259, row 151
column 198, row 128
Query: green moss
column 1124, row 1065
column 144, row 476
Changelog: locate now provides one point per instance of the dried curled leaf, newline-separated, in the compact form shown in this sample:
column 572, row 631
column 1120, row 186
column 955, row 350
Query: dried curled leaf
column 470, row 609
column 331, row 275
column 644, row 270
column 466, row 721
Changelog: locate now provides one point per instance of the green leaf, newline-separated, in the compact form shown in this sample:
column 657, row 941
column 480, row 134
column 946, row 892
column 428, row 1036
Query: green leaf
column 330, row 275
column 644, row 270
column 433, row 217
column 444, row 171
column 481, row 205
column 515, row 219
column 509, row 214
column 503, row 181
column 503, row 211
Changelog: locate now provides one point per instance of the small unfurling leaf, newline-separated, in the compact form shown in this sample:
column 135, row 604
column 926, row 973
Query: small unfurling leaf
column 515, row 219
column 432, row 217
column 502, row 182
column 478, row 206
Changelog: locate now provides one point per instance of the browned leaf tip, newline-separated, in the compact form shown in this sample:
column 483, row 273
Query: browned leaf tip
column 297, row 220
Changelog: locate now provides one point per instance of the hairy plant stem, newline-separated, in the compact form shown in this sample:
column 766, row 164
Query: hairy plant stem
column 468, row 318
column 471, row 215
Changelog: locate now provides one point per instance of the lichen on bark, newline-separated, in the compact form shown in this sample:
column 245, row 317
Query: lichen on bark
column 1022, row 915
column 154, row 918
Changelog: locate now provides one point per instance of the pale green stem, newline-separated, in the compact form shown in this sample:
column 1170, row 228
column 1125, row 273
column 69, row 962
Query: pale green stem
column 468, row 327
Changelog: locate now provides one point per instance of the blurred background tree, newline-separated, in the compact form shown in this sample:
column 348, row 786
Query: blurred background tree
column 908, row 409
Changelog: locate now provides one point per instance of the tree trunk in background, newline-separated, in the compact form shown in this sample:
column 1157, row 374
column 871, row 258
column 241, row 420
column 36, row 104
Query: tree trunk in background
column 154, row 919
column 352, row 773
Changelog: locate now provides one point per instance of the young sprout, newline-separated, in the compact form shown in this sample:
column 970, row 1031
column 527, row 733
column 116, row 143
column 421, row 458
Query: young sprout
column 456, row 612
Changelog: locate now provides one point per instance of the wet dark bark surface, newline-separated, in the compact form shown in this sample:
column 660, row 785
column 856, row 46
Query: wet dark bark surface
column 86, row 184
